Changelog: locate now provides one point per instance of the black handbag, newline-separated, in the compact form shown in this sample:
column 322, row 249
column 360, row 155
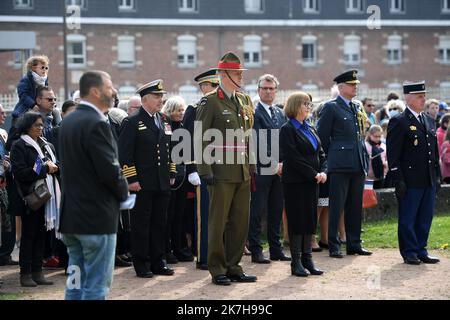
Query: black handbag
column 38, row 195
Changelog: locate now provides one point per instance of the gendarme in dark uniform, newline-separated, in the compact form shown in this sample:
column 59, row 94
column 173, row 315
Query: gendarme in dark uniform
column 413, row 160
column 144, row 153
column 341, row 130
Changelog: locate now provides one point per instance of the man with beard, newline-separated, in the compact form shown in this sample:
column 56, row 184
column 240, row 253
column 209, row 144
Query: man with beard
column 92, row 188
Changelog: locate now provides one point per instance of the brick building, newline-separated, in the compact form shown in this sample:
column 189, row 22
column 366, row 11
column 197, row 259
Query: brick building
column 303, row 42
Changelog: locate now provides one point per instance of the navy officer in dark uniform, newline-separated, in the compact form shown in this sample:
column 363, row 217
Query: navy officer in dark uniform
column 414, row 164
column 144, row 154
column 341, row 130
column 208, row 81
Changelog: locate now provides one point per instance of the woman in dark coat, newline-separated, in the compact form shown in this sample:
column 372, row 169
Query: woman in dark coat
column 32, row 159
column 304, row 167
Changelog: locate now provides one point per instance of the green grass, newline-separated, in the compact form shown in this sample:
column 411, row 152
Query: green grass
column 383, row 234
column 8, row 296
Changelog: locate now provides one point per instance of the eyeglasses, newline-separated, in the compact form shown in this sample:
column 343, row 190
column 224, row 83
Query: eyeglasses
column 267, row 88
column 38, row 125
column 50, row 99
column 308, row 104
column 393, row 109
column 44, row 68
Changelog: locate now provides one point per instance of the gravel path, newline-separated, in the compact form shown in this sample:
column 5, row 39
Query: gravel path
column 380, row 276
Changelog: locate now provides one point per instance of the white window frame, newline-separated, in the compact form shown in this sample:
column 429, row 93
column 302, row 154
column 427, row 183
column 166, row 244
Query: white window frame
column 252, row 48
column 309, row 40
column 444, row 46
column 351, row 8
column 183, row 6
column 310, row 88
column 126, row 91
column 76, row 38
column 187, row 46
column 445, row 6
column 394, row 45
column 397, row 6
column 352, row 47
column 126, row 53
column 23, row 4
column 311, row 6
column 124, row 6
column 395, row 86
column 254, row 6
column 80, row 3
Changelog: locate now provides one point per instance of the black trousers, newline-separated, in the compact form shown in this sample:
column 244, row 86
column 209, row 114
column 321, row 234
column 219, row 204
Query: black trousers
column 148, row 229
column 32, row 242
column 268, row 197
column 346, row 191
column 123, row 233
column 175, row 215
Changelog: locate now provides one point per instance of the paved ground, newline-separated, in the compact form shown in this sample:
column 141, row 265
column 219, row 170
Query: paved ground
column 380, row 276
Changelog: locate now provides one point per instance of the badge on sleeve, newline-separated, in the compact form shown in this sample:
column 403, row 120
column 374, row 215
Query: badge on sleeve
column 413, row 128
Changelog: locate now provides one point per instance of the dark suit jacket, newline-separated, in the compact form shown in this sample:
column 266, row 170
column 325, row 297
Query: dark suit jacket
column 263, row 121
column 144, row 152
column 92, row 182
column 338, row 130
column 301, row 163
column 412, row 151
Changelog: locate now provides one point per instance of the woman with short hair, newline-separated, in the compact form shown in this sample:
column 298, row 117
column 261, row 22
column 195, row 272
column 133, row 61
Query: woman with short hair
column 304, row 167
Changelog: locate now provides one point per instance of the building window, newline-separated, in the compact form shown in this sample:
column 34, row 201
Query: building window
column 187, row 51
column 76, row 51
column 254, row 6
column 188, row 6
column 354, row 6
column 397, row 6
column 445, row 6
column 445, row 85
column 125, row 52
column 126, row 5
column 126, row 92
column 309, row 50
column 311, row 6
column 23, row 4
column 352, row 50
column 310, row 88
column 80, row 3
column 395, row 86
column 20, row 57
column 252, row 51
column 394, row 49
column 444, row 49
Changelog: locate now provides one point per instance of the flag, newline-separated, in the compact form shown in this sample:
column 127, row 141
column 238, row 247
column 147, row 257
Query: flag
column 37, row 165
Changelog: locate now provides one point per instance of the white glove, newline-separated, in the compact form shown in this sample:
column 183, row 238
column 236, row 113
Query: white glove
column 194, row 179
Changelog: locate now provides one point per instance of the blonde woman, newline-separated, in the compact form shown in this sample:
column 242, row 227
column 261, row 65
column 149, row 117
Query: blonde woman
column 37, row 75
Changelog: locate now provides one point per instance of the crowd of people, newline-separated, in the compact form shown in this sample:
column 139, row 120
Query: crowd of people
column 308, row 169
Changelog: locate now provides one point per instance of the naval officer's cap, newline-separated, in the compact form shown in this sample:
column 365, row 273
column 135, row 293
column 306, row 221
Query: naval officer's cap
column 155, row 86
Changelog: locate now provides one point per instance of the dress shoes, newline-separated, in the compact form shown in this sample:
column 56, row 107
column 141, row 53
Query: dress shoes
column 164, row 271
column 280, row 257
column 428, row 259
column 412, row 260
column 323, row 245
column 144, row 274
column 318, row 249
column 171, row 258
column 221, row 280
column 201, row 266
column 119, row 262
column 336, row 254
column 359, row 251
column 259, row 258
column 8, row 261
column 243, row 277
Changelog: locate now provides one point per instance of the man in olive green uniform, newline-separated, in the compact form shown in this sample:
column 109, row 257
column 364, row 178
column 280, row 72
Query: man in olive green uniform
column 226, row 170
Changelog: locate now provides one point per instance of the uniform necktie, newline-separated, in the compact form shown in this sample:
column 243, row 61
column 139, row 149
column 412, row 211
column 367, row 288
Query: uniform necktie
column 273, row 116
column 421, row 120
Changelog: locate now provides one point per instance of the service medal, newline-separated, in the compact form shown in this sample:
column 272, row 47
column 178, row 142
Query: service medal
column 416, row 142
